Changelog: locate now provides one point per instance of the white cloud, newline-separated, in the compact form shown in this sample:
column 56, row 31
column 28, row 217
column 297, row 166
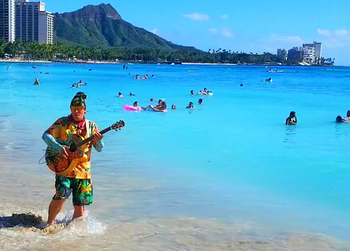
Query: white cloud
column 225, row 16
column 286, row 39
column 341, row 33
column 337, row 33
column 333, row 43
column 213, row 30
column 335, row 39
column 274, row 41
column 197, row 16
column 155, row 31
column 323, row 32
column 226, row 33
column 222, row 32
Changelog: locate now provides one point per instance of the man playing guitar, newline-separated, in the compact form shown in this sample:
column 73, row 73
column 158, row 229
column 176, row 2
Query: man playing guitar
column 77, row 178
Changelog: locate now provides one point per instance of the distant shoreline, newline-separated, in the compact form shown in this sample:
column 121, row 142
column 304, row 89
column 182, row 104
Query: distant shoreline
column 189, row 63
column 113, row 62
column 46, row 61
column 23, row 61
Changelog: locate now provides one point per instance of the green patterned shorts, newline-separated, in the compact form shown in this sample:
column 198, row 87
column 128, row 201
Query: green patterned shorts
column 81, row 188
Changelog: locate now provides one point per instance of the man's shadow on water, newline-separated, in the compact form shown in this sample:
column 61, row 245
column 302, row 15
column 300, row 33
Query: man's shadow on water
column 27, row 220
column 32, row 223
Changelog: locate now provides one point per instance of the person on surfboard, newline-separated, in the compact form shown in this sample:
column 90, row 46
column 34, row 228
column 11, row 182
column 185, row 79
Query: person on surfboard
column 77, row 180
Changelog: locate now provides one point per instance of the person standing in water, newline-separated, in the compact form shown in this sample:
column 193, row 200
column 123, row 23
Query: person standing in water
column 190, row 106
column 36, row 82
column 78, row 181
column 292, row 119
column 347, row 118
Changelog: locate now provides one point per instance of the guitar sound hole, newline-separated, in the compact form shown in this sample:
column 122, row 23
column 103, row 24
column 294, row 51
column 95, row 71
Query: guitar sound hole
column 73, row 148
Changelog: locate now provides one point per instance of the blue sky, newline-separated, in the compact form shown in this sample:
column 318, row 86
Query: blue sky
column 249, row 26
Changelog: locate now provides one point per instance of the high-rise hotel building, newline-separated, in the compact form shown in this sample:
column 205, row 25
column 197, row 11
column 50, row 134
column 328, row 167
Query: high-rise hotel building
column 7, row 20
column 45, row 27
column 312, row 52
column 33, row 23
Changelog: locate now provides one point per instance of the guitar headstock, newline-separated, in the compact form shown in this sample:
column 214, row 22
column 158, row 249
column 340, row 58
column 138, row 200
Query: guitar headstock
column 118, row 125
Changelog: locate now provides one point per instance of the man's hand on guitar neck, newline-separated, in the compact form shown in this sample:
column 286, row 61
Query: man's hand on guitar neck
column 97, row 137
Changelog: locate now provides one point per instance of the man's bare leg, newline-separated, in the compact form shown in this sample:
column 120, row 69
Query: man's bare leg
column 78, row 212
column 54, row 208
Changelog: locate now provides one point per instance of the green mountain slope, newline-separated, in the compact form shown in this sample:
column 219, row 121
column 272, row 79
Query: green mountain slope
column 102, row 26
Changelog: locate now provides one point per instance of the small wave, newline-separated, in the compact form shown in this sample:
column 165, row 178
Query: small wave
column 8, row 146
column 158, row 234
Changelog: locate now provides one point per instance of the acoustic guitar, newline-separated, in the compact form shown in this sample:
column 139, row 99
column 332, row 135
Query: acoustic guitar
column 77, row 146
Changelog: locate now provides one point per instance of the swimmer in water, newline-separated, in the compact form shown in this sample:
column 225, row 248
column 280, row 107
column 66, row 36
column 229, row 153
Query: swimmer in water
column 292, row 119
column 190, row 106
column 158, row 108
column 36, row 82
column 347, row 118
column 339, row 119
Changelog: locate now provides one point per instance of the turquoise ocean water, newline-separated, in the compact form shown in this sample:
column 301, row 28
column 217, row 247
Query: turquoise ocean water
column 230, row 161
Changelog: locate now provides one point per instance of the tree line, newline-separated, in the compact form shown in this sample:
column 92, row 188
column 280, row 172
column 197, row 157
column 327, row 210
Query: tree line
column 63, row 52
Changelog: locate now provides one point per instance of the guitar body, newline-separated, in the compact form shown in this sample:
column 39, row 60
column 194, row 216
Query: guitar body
column 58, row 163
column 77, row 153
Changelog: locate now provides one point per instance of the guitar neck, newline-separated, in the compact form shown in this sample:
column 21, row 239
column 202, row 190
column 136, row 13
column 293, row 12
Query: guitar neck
column 92, row 137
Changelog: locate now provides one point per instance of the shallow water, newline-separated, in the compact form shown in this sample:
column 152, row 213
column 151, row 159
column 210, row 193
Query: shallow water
column 227, row 175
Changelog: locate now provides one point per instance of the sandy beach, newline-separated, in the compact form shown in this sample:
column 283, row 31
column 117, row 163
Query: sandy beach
column 23, row 61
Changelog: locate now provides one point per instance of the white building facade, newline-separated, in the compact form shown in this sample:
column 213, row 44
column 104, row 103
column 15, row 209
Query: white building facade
column 308, row 53
column 312, row 53
column 318, row 51
column 7, row 20
column 33, row 23
column 45, row 28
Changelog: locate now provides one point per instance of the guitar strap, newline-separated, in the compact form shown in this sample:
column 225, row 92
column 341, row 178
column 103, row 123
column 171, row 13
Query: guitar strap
column 87, row 125
column 88, row 132
column 88, row 129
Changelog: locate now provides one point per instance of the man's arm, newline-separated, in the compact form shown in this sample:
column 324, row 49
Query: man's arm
column 97, row 141
column 51, row 133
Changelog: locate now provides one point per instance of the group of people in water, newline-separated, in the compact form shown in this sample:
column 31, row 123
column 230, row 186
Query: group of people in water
column 340, row 119
column 162, row 106
column 204, row 92
column 79, row 84
column 292, row 119
column 137, row 76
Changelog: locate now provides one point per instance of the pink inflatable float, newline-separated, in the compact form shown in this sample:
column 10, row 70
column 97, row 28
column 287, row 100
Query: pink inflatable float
column 131, row 108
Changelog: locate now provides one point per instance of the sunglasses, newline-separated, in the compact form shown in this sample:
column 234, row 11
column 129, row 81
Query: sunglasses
column 77, row 108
